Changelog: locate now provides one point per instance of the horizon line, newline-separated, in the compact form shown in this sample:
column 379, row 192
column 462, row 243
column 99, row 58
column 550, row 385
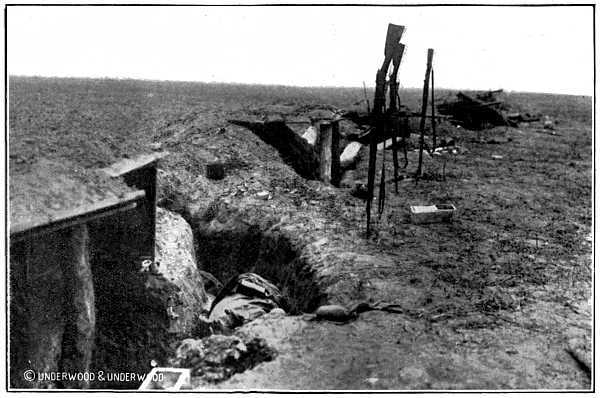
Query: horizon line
column 233, row 83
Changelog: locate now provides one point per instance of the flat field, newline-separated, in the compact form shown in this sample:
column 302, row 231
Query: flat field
column 492, row 300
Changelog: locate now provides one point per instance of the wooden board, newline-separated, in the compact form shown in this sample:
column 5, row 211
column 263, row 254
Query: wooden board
column 125, row 166
column 78, row 215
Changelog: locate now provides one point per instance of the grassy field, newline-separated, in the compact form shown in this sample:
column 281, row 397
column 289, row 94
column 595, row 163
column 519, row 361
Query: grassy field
column 518, row 252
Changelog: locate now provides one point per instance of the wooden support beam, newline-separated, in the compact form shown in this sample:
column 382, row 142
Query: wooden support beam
column 78, row 337
column 324, row 149
column 424, row 112
column 78, row 215
column 433, row 132
column 394, row 34
column 336, row 168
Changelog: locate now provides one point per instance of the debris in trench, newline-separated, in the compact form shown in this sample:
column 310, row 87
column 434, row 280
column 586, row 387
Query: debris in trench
column 218, row 357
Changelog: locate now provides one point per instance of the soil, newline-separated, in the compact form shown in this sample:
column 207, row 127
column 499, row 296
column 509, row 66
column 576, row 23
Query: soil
column 490, row 300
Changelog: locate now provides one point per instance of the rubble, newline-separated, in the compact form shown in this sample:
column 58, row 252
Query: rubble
column 475, row 113
column 218, row 357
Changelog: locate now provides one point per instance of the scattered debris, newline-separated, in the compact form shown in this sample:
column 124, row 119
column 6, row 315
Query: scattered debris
column 263, row 195
column 548, row 123
column 360, row 191
column 156, row 146
column 218, row 357
column 517, row 117
column 432, row 213
column 475, row 113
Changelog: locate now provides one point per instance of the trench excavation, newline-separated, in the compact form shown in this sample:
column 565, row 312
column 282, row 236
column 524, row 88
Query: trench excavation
column 240, row 248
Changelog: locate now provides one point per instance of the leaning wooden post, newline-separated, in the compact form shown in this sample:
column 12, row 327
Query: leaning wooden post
column 324, row 141
column 394, row 110
column 424, row 112
column 434, row 135
column 336, row 172
column 394, row 34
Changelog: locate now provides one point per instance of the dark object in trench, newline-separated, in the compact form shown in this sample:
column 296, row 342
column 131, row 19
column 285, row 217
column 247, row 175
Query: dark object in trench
column 251, row 285
column 294, row 149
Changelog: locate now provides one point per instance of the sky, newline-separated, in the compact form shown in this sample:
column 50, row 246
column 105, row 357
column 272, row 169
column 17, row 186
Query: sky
column 538, row 49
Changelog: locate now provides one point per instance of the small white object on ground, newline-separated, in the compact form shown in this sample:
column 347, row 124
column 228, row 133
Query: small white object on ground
column 432, row 213
column 263, row 195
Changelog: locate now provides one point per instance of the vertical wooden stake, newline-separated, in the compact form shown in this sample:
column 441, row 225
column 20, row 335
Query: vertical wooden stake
column 81, row 312
column 424, row 112
column 433, row 111
column 336, row 172
column 324, row 141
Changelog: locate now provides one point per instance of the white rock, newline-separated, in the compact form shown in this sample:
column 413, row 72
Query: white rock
column 350, row 153
column 310, row 135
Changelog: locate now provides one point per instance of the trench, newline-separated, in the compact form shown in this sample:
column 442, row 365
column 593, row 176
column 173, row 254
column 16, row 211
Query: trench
column 272, row 255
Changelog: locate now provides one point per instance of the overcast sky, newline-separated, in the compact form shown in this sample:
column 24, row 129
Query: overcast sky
column 547, row 49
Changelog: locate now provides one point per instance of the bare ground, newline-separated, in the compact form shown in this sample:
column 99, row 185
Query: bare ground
column 490, row 301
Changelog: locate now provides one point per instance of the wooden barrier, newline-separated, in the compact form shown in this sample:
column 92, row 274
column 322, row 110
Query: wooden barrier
column 328, row 149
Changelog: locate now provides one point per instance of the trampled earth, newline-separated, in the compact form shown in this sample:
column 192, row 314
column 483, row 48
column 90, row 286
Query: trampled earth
column 496, row 299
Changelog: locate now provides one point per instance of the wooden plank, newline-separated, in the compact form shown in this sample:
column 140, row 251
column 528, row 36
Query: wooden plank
column 78, row 215
column 433, row 132
column 324, row 149
column 336, row 169
column 424, row 111
column 125, row 166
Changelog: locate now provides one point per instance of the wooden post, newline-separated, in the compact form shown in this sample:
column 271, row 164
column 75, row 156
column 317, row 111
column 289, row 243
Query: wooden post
column 145, row 178
column 394, row 110
column 392, row 42
column 78, row 338
column 433, row 111
column 424, row 112
column 336, row 170
column 324, row 149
